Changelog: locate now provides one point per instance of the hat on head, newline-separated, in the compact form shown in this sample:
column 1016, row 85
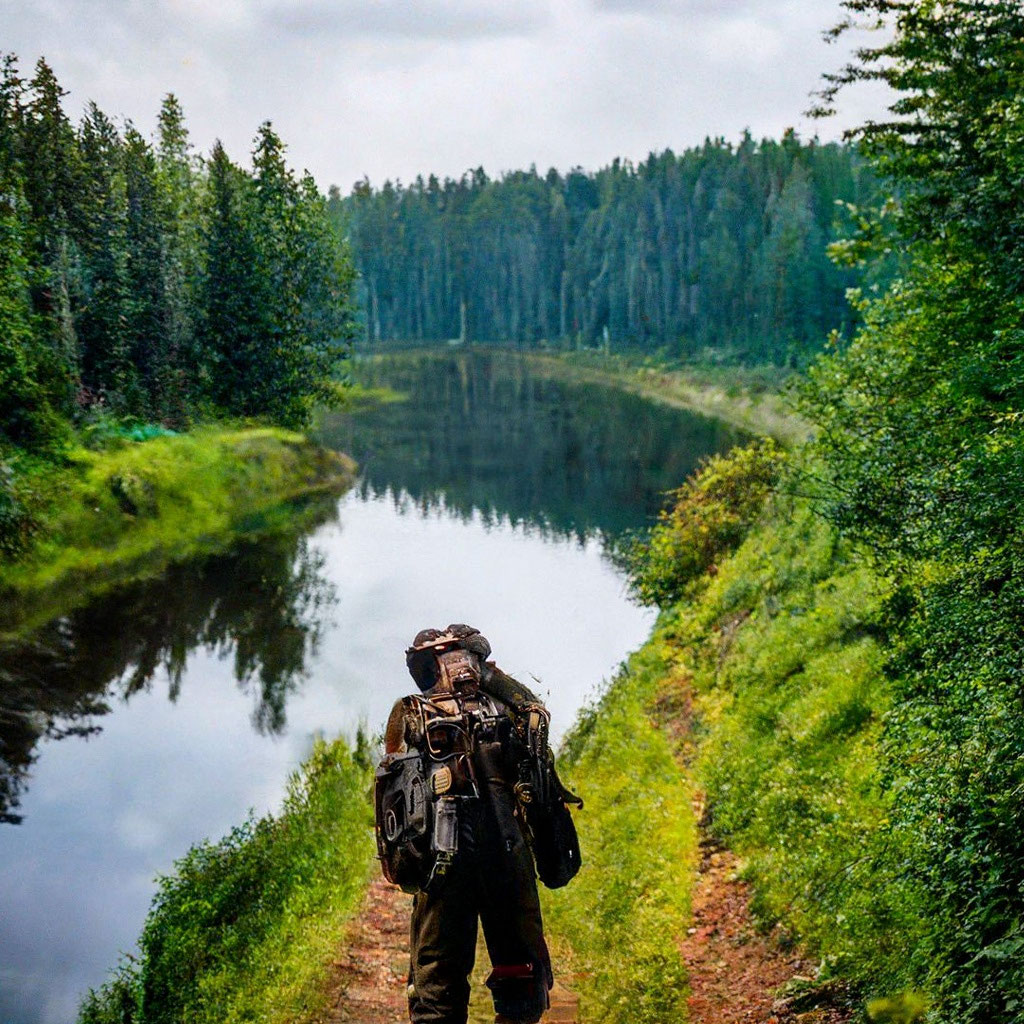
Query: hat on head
column 421, row 656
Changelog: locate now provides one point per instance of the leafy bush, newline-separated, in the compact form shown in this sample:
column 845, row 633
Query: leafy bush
column 244, row 928
column 16, row 524
column 706, row 518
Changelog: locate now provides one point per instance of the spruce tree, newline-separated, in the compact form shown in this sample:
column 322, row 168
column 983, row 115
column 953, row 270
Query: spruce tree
column 230, row 318
column 105, row 300
column 147, row 312
column 179, row 184
column 51, row 171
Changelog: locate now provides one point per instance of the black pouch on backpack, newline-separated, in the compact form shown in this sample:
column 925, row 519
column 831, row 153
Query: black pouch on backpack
column 404, row 819
column 556, row 846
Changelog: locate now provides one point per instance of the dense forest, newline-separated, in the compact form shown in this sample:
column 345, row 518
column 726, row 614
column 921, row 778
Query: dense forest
column 718, row 251
column 138, row 281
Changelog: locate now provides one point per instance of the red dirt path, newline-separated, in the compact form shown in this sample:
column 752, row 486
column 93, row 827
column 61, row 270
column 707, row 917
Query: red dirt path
column 735, row 971
column 369, row 985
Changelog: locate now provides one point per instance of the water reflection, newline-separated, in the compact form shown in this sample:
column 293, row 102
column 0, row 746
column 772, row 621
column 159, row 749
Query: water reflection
column 479, row 431
column 264, row 606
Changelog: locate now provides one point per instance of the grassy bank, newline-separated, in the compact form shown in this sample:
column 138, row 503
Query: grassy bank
column 109, row 516
column 245, row 929
column 620, row 918
column 772, row 657
column 748, row 398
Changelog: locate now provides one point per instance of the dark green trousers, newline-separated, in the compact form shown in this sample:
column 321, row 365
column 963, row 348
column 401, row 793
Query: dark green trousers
column 491, row 879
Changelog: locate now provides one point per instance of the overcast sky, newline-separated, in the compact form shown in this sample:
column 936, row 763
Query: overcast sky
column 392, row 88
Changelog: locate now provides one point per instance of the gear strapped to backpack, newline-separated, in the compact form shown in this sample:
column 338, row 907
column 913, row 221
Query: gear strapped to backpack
column 543, row 800
column 417, row 830
column 417, row 794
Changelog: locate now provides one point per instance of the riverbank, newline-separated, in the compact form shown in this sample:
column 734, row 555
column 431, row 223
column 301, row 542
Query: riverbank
column 750, row 399
column 766, row 674
column 125, row 513
column 245, row 928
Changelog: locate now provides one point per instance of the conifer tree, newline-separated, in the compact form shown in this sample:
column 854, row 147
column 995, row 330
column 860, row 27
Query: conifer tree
column 229, row 293
column 106, row 308
column 147, row 312
column 178, row 184
column 51, row 172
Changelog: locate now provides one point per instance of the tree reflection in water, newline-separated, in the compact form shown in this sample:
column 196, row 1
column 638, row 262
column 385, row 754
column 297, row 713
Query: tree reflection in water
column 480, row 434
column 265, row 604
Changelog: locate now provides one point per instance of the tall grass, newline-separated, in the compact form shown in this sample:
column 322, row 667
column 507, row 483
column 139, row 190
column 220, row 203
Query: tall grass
column 620, row 919
column 780, row 645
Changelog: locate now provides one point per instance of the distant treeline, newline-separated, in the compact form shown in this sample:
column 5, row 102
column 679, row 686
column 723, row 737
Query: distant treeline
column 138, row 280
column 720, row 248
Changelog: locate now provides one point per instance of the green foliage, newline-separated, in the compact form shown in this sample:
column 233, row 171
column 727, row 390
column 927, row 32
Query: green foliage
column 245, row 928
column 785, row 702
column 707, row 517
column 21, row 499
column 126, row 510
column 952, row 144
column 920, row 434
column 137, row 282
column 905, row 1009
column 716, row 251
column 620, row 919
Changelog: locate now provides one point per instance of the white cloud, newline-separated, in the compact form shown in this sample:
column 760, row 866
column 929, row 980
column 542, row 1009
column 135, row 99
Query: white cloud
column 392, row 88
column 409, row 19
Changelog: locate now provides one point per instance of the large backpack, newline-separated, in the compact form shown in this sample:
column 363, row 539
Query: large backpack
column 416, row 822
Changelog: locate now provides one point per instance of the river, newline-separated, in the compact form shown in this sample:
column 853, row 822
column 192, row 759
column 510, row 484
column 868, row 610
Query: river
column 165, row 711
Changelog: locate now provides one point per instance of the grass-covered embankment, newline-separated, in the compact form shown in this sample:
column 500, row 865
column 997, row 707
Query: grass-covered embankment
column 244, row 929
column 619, row 920
column 768, row 649
column 108, row 516
column 749, row 398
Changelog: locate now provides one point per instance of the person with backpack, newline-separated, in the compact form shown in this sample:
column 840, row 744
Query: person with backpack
column 467, row 801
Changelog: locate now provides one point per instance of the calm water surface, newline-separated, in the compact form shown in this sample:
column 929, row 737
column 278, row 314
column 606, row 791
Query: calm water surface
column 162, row 713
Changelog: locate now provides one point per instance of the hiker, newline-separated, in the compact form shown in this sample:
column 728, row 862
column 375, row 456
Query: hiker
column 466, row 787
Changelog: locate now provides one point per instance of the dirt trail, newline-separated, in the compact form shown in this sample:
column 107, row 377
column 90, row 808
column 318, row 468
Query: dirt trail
column 369, row 983
column 736, row 973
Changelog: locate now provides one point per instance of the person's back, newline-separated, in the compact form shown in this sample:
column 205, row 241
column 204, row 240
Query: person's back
column 461, row 757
